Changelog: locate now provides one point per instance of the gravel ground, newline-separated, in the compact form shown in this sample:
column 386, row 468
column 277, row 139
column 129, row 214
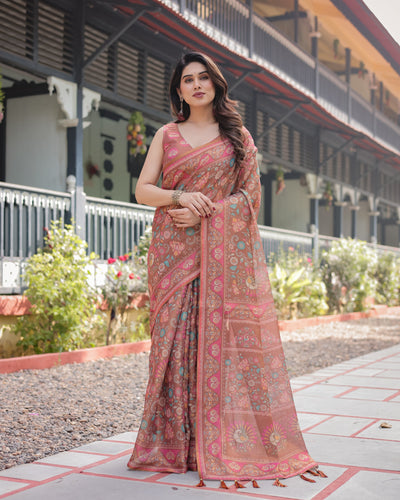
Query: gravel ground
column 43, row 412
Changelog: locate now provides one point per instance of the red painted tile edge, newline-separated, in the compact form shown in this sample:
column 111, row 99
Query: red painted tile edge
column 295, row 324
column 43, row 361
column 19, row 305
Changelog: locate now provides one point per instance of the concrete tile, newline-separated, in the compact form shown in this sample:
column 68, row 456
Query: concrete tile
column 323, row 390
column 354, row 381
column 377, row 432
column 369, row 394
column 9, row 486
column 369, row 486
column 72, row 459
column 128, row 437
column 87, row 487
column 346, row 407
column 390, row 374
column 365, row 372
column 105, row 447
column 396, row 399
column 341, row 426
column 353, row 451
column 34, row 472
column 385, row 365
column 308, row 419
column 118, row 467
column 296, row 487
column 331, row 373
column 306, row 381
column 191, row 478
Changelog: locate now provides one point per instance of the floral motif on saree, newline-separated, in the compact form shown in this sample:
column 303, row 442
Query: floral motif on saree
column 218, row 399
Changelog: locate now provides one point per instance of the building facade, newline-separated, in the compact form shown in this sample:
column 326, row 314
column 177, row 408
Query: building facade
column 317, row 83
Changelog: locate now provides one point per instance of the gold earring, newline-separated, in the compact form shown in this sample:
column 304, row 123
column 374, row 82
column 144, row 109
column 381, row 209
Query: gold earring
column 181, row 117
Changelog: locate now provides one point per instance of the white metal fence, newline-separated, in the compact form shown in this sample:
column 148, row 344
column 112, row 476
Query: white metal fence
column 112, row 228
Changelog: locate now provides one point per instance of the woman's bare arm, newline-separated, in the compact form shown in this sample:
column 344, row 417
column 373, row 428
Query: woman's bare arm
column 148, row 193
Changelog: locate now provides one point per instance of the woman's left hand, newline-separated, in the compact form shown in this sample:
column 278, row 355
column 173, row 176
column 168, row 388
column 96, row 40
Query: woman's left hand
column 183, row 217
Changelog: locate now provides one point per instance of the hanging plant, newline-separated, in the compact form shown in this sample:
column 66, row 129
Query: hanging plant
column 280, row 180
column 328, row 194
column 336, row 48
column 1, row 100
column 136, row 134
column 362, row 70
column 92, row 169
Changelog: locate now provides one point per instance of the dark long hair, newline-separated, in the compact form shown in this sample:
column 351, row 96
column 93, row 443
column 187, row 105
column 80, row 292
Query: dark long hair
column 229, row 120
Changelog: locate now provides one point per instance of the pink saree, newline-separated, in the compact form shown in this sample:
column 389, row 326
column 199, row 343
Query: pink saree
column 218, row 399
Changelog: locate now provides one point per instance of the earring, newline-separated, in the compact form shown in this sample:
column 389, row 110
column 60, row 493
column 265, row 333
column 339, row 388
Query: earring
column 181, row 118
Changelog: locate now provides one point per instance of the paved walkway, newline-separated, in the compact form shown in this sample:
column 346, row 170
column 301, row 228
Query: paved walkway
column 341, row 409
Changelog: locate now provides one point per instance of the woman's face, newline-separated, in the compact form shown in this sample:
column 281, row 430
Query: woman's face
column 196, row 88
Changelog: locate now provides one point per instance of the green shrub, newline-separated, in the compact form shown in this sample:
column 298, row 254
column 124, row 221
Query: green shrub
column 126, row 277
column 63, row 306
column 141, row 330
column 387, row 275
column 348, row 271
column 297, row 287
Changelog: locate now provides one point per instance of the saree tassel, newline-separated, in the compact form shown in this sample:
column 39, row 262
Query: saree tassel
column 223, row 485
column 201, row 483
column 255, row 484
column 278, row 483
column 239, row 485
column 307, row 478
column 320, row 473
column 313, row 472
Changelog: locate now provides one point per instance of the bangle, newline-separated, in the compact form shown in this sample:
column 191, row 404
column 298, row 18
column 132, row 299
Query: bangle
column 175, row 196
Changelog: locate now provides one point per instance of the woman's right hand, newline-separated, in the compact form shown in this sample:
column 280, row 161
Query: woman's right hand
column 198, row 203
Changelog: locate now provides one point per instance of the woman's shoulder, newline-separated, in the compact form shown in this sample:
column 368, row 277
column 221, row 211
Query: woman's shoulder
column 170, row 134
column 248, row 140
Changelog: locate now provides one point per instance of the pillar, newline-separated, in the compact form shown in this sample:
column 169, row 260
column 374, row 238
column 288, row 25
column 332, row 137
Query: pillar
column 348, row 81
column 314, row 223
column 338, row 219
column 354, row 209
column 373, row 226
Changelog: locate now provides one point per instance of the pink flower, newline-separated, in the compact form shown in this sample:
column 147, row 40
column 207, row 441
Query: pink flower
column 291, row 249
column 111, row 260
column 119, row 274
column 122, row 258
column 131, row 276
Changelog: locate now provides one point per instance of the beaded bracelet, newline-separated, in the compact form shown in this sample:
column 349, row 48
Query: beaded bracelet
column 175, row 196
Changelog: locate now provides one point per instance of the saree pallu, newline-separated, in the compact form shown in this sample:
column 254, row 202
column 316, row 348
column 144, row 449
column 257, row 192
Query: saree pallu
column 219, row 398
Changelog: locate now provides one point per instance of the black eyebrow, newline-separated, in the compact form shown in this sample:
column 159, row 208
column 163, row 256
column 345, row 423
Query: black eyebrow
column 201, row 72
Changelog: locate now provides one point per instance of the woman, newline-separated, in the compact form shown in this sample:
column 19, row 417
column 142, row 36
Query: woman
column 218, row 398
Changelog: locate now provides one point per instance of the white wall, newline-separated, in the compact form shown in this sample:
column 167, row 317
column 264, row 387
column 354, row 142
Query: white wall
column 325, row 216
column 291, row 208
column 392, row 235
column 104, row 129
column 346, row 222
column 363, row 222
column 36, row 153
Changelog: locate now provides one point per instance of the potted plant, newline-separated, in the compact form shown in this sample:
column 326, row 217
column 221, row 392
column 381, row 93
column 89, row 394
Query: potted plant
column 136, row 134
column 1, row 100
column 328, row 194
column 280, row 180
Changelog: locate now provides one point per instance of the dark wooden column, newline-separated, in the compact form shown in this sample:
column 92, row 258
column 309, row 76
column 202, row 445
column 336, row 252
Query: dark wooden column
column 75, row 134
column 338, row 219
column 354, row 209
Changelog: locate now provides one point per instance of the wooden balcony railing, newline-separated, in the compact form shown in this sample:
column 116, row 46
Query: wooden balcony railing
column 232, row 23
